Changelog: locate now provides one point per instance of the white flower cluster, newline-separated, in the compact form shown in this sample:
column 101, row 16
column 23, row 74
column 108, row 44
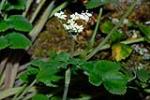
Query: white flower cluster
column 71, row 25
column 61, row 15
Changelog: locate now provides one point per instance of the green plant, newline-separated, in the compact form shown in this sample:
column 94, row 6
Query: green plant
column 96, row 3
column 13, row 27
column 99, row 72
column 57, row 67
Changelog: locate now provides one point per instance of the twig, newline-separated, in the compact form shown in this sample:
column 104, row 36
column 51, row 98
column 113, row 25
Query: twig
column 37, row 11
column 9, row 92
column 29, row 96
column 14, row 74
column 28, row 5
column 8, row 73
column 25, row 90
column 95, row 50
column 2, row 65
column 67, row 82
column 37, row 29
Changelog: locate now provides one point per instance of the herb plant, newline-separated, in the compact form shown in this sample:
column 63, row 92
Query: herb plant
column 50, row 77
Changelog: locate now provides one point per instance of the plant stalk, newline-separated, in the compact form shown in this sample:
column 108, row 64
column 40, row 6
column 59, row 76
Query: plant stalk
column 37, row 29
column 25, row 90
column 37, row 11
column 92, row 41
column 28, row 5
column 9, row 92
column 67, row 82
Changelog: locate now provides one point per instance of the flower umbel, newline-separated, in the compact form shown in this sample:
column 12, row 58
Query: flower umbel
column 71, row 24
column 61, row 15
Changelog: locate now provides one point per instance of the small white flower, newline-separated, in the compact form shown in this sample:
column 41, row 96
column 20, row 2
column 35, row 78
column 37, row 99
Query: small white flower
column 61, row 15
column 71, row 25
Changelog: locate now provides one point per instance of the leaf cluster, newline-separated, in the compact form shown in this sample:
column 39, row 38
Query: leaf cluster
column 13, row 27
column 99, row 72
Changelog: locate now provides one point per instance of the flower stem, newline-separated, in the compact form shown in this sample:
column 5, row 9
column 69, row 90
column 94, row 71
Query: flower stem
column 92, row 41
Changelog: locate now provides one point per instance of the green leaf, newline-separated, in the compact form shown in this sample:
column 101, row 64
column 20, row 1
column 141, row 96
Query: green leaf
column 47, row 75
column 95, row 78
column 16, row 22
column 106, row 66
column 107, row 73
column 96, row 3
column 145, row 30
column 40, row 97
column 31, row 71
column 121, row 51
column 62, row 56
column 143, row 75
column 4, row 26
column 115, row 83
column 17, row 41
column 99, row 70
column 107, row 26
column 117, row 36
column 38, row 63
column 47, row 71
column 3, row 43
column 14, row 5
column 19, row 23
column 93, row 4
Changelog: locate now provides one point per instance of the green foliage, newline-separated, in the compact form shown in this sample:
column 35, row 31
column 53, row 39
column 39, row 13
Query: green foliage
column 115, row 83
column 17, row 22
column 107, row 26
column 17, row 41
column 4, row 26
column 14, row 5
column 121, row 51
column 143, row 75
column 46, row 71
column 107, row 73
column 40, row 97
column 9, row 26
column 96, row 3
column 145, row 31
column 99, row 72
column 3, row 42
column 14, row 40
